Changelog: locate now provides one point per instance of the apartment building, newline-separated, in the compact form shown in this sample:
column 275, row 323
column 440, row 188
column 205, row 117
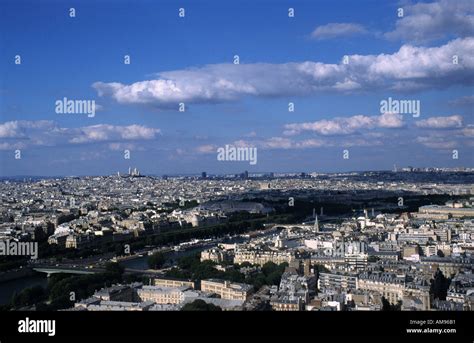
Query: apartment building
column 162, row 295
column 260, row 257
column 343, row 281
column 173, row 283
column 388, row 285
column 226, row 289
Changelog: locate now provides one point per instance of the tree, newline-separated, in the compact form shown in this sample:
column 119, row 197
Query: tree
column 187, row 262
column 28, row 296
column 321, row 269
column 273, row 278
column 387, row 306
column 372, row 259
column 439, row 285
column 270, row 275
column 156, row 261
column 200, row 305
column 258, row 281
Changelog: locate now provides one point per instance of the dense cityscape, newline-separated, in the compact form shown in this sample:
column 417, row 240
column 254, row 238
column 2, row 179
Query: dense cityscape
column 393, row 240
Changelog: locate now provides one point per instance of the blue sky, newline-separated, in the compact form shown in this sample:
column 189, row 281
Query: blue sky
column 190, row 60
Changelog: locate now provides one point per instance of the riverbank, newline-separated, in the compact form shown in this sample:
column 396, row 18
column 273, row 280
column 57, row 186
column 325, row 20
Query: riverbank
column 16, row 285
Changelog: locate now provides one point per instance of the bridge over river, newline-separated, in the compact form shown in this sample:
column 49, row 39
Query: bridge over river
column 50, row 269
column 67, row 269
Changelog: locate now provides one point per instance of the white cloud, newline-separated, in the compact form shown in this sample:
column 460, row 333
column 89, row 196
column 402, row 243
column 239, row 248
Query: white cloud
column 10, row 129
column 104, row 132
column 468, row 131
column 335, row 30
column 206, row 149
column 120, row 146
column 243, row 144
column 251, row 134
column 424, row 22
column 463, row 101
column 389, row 120
column 411, row 68
column 312, row 143
column 440, row 122
column 286, row 143
column 17, row 129
column 277, row 143
column 346, row 125
column 12, row 146
column 44, row 132
column 436, row 142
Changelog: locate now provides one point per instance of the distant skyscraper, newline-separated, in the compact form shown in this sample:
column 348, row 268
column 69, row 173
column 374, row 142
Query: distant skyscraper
column 204, row 175
column 133, row 172
column 316, row 224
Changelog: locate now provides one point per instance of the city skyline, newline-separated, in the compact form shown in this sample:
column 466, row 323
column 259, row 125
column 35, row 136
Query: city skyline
column 258, row 173
column 314, row 88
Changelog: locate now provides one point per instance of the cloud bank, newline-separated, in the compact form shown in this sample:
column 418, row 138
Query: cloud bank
column 346, row 125
column 441, row 122
column 337, row 30
column 409, row 69
column 48, row 133
column 423, row 22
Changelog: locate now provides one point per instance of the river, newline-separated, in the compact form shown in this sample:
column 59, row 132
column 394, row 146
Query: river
column 172, row 257
column 8, row 288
